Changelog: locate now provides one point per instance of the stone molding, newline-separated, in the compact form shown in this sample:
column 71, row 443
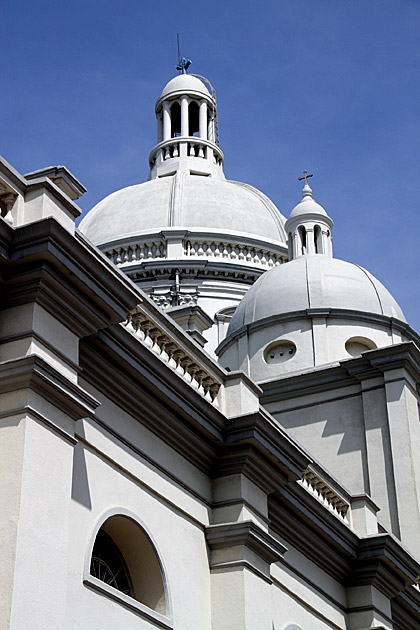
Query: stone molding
column 346, row 373
column 44, row 263
column 379, row 560
column 247, row 546
column 33, row 372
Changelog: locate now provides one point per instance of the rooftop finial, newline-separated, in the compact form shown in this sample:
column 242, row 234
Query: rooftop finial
column 183, row 64
column 307, row 191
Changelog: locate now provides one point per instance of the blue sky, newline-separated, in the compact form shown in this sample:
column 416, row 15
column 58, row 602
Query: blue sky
column 330, row 86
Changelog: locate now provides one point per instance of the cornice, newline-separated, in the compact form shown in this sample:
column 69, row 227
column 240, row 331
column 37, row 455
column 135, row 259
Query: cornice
column 261, row 438
column 195, row 267
column 406, row 609
column 33, row 372
column 379, row 560
column 346, row 373
column 247, row 534
column 75, row 282
column 136, row 380
column 303, row 522
column 383, row 561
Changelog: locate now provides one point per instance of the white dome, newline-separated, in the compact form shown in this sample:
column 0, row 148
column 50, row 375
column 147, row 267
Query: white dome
column 312, row 282
column 307, row 205
column 184, row 83
column 187, row 201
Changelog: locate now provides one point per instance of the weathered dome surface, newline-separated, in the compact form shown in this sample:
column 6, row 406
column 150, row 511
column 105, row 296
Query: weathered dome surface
column 314, row 281
column 187, row 201
column 184, row 83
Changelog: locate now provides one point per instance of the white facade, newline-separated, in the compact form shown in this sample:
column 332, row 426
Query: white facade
column 146, row 484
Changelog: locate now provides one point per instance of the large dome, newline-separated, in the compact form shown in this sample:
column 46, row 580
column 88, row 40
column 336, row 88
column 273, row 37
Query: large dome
column 314, row 282
column 183, row 200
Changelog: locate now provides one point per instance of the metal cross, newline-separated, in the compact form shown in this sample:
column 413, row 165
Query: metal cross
column 305, row 177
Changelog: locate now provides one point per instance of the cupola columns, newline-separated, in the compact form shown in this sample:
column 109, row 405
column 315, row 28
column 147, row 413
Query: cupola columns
column 185, row 114
column 308, row 227
column 203, row 120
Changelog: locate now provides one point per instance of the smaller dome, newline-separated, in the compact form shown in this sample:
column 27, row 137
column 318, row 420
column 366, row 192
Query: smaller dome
column 307, row 205
column 314, row 281
column 184, row 83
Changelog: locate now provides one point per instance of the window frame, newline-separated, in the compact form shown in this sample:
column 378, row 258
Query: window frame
column 93, row 583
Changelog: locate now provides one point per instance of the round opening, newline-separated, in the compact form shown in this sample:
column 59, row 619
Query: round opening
column 279, row 351
column 356, row 345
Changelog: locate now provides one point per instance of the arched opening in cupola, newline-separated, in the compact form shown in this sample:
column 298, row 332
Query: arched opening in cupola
column 302, row 237
column 175, row 120
column 194, row 113
column 318, row 240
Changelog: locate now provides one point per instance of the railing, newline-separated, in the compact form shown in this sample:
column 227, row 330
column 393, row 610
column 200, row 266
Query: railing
column 172, row 353
column 137, row 252
column 326, row 494
column 195, row 147
column 196, row 247
column 230, row 251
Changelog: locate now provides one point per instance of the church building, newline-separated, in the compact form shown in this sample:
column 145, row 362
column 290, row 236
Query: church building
column 207, row 422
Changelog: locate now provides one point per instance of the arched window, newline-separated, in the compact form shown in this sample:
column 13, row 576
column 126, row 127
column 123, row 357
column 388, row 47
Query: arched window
column 124, row 559
column 318, row 240
column 302, row 234
column 108, row 565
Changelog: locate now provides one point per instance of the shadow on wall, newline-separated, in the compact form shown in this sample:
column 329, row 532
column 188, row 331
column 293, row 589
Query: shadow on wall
column 80, row 484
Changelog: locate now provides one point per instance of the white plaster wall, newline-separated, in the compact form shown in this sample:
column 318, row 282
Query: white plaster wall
column 332, row 432
column 146, row 442
column 340, row 331
column 317, row 603
column 317, row 343
column 40, row 578
column 179, row 539
column 299, row 332
column 40, row 203
column 12, row 442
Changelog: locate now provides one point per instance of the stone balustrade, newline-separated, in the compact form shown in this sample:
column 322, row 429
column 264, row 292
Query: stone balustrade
column 236, row 252
column 204, row 246
column 194, row 147
column 137, row 252
column 152, row 335
column 326, row 494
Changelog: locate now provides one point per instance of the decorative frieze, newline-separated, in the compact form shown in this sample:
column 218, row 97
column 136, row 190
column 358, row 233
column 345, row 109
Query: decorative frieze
column 172, row 353
column 166, row 300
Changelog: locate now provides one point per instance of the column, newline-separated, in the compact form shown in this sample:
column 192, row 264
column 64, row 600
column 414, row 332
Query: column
column 184, row 116
column 203, row 120
column 296, row 243
column 166, row 121
column 210, row 130
column 310, row 240
column 160, row 127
